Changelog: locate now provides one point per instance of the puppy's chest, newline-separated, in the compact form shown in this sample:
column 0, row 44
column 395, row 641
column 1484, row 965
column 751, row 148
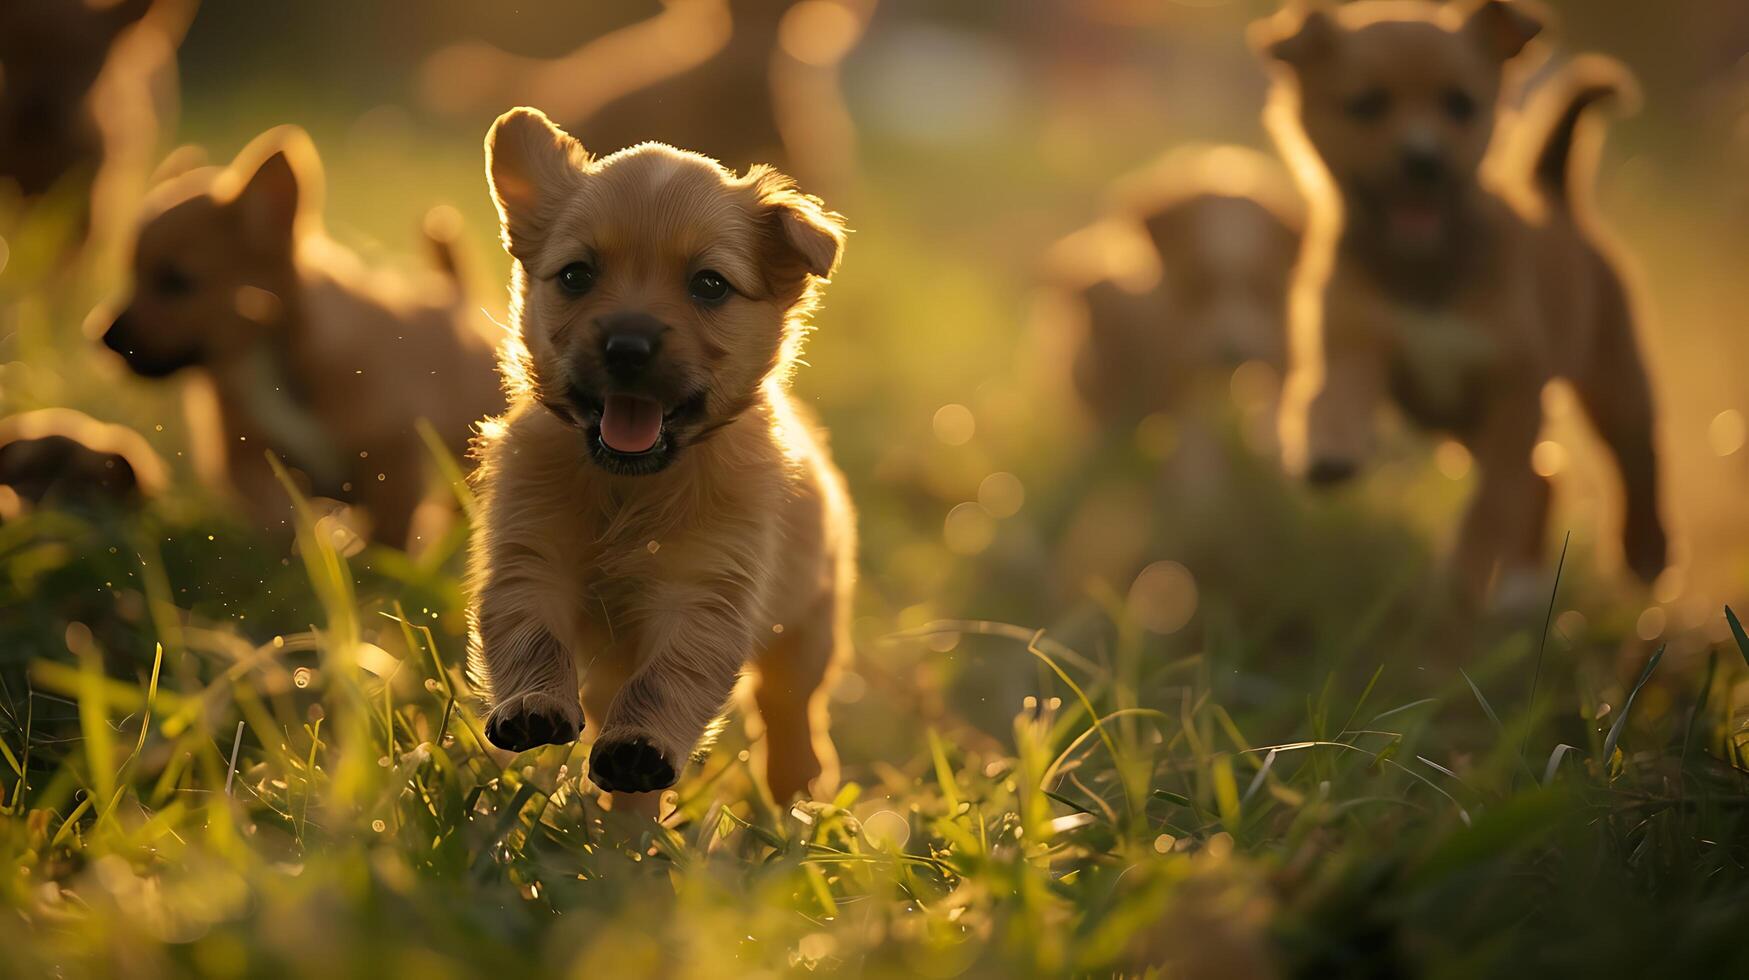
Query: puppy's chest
column 1440, row 362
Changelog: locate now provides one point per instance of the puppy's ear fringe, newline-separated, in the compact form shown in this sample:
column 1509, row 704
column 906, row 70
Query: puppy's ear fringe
column 814, row 234
column 526, row 155
column 1297, row 35
column 1503, row 27
column 277, row 178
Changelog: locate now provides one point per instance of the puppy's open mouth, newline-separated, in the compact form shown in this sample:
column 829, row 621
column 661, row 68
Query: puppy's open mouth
column 630, row 424
column 632, row 434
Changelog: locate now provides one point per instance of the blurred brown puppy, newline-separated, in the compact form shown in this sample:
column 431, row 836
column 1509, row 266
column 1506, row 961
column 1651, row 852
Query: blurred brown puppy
column 328, row 365
column 1185, row 282
column 56, row 456
column 83, row 82
column 655, row 513
column 1423, row 280
column 742, row 81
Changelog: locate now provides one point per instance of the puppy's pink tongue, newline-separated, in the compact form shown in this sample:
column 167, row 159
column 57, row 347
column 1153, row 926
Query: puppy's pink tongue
column 630, row 424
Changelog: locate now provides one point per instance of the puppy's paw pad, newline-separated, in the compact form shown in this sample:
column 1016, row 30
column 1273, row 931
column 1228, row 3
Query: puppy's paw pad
column 630, row 765
column 533, row 720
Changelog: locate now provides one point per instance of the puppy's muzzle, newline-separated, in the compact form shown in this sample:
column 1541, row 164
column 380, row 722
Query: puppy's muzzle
column 630, row 343
column 1422, row 166
column 123, row 337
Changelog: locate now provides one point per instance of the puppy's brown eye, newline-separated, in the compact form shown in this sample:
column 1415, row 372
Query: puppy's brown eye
column 1369, row 106
column 709, row 286
column 172, row 282
column 1460, row 105
column 577, row 278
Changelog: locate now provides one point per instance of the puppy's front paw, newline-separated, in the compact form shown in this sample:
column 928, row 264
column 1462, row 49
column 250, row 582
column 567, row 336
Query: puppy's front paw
column 524, row 721
column 621, row 764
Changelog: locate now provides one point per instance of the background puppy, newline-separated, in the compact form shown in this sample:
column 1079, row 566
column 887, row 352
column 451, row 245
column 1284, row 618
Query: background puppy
column 85, row 83
column 1422, row 280
column 60, row 456
column 654, row 513
column 742, row 81
column 1186, row 281
column 309, row 355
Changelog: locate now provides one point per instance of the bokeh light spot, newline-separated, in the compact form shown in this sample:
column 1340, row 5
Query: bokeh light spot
column 1163, row 597
column 954, row 425
column 1452, row 459
column 1001, row 495
column 1548, row 458
column 1727, row 432
column 968, row 530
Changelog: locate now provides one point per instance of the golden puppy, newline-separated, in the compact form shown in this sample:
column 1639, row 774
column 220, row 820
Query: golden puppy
column 738, row 80
column 1425, row 279
column 655, row 514
column 58, row 456
column 308, row 354
column 1186, row 281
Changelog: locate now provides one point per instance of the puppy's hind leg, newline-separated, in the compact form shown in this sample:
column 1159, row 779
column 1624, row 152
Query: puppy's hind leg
column 1617, row 396
column 796, row 753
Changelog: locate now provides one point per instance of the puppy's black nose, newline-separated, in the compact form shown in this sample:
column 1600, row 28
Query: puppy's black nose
column 1423, row 166
column 118, row 337
column 629, row 342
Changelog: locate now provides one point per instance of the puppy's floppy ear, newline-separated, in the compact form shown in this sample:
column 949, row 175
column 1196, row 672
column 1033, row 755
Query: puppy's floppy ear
column 530, row 163
column 1298, row 35
column 1503, row 27
column 807, row 238
column 280, row 180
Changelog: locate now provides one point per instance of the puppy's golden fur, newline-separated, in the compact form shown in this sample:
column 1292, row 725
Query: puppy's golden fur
column 653, row 578
column 1187, row 279
column 56, row 455
column 308, row 354
column 1457, row 289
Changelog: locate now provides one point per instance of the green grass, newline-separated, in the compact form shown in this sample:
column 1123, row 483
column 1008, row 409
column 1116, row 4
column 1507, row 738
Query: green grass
column 232, row 754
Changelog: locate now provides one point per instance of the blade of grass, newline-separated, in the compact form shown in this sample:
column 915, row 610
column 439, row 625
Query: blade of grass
column 1542, row 644
column 1621, row 720
column 1737, row 631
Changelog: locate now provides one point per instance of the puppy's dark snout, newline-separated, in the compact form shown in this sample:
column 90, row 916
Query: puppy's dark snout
column 629, row 342
column 1423, row 165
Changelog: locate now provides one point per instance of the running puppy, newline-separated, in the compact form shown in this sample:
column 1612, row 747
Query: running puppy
column 655, row 515
column 310, row 355
column 1188, row 279
column 1458, row 295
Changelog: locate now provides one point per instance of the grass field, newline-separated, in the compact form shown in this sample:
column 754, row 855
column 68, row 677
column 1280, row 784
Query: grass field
column 1106, row 718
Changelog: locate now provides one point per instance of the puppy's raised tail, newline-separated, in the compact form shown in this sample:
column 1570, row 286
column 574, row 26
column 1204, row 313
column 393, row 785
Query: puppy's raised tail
column 442, row 228
column 1562, row 167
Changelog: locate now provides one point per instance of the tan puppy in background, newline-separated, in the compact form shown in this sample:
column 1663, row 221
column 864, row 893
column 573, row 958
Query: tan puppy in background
column 655, row 514
column 1425, row 279
column 1185, row 281
column 328, row 365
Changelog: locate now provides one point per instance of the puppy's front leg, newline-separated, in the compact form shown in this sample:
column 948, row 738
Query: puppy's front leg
column 698, row 640
column 532, row 676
